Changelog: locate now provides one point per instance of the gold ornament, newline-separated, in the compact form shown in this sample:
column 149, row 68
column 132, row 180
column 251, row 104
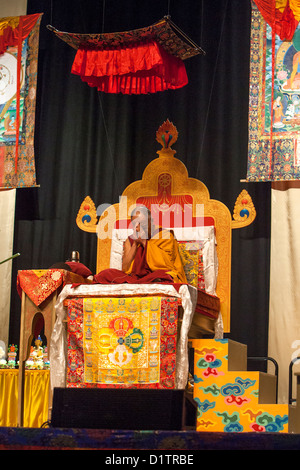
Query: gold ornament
column 244, row 211
column 87, row 216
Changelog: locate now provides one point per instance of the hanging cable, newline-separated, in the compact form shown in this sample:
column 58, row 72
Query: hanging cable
column 103, row 116
column 51, row 11
column 183, row 35
column 212, row 85
column 202, row 15
column 180, row 32
column 103, row 15
column 168, row 7
column 108, row 142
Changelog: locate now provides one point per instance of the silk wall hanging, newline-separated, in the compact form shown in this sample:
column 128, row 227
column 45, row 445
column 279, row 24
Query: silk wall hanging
column 141, row 61
column 19, row 43
column 274, row 104
column 282, row 15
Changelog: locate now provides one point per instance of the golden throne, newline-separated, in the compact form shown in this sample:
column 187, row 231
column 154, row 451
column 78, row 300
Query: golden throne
column 202, row 227
column 178, row 200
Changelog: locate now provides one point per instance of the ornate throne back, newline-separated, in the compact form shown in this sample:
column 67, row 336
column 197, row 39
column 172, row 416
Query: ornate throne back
column 201, row 225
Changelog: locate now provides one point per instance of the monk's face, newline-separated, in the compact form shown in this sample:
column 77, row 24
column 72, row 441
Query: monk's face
column 141, row 225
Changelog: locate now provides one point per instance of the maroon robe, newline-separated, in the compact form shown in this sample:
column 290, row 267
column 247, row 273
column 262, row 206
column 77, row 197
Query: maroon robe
column 140, row 273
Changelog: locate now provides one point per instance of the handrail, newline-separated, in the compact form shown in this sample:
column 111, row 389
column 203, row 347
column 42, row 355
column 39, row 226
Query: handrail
column 268, row 358
column 291, row 379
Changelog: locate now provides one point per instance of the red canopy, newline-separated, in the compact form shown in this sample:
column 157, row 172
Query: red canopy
column 146, row 60
column 136, row 69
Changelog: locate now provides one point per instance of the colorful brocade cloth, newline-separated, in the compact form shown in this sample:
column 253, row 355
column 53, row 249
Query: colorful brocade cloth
column 191, row 253
column 122, row 342
column 39, row 284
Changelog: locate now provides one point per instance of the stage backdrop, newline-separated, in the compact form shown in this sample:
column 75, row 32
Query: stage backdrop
column 96, row 144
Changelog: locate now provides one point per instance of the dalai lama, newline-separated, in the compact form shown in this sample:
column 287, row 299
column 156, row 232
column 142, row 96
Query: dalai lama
column 150, row 255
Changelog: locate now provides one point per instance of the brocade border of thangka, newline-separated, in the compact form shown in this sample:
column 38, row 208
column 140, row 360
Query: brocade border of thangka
column 282, row 163
column 25, row 175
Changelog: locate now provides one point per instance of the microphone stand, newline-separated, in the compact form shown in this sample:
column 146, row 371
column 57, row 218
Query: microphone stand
column 13, row 256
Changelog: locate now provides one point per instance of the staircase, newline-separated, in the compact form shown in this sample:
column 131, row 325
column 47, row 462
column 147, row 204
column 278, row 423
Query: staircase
column 230, row 398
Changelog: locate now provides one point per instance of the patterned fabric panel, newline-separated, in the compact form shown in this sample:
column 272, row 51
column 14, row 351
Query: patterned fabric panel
column 162, row 31
column 39, row 284
column 228, row 401
column 192, row 259
column 122, row 342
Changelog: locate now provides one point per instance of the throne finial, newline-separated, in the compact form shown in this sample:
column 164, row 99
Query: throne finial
column 166, row 135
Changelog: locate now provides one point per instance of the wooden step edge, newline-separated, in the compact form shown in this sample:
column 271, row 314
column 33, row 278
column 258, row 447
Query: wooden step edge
column 237, row 356
column 267, row 388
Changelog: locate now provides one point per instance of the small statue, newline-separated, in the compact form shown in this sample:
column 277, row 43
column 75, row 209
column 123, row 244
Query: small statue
column 12, row 356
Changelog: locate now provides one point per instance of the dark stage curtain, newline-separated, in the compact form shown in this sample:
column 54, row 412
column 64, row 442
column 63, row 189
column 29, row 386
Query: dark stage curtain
column 96, row 144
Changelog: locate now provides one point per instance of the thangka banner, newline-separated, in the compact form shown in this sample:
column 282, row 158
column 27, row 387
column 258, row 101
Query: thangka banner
column 274, row 104
column 19, row 43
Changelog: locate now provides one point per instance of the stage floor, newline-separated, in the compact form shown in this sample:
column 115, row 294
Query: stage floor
column 162, row 441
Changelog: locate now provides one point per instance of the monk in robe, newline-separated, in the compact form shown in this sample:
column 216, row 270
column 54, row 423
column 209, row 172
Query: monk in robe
column 150, row 254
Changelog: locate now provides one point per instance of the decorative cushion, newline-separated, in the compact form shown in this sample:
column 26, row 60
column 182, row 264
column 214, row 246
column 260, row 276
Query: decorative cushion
column 79, row 268
column 191, row 254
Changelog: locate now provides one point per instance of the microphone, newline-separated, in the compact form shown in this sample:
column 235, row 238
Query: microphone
column 13, row 256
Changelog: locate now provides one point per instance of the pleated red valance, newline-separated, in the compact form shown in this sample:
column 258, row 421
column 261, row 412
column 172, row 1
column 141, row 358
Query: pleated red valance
column 141, row 61
column 136, row 69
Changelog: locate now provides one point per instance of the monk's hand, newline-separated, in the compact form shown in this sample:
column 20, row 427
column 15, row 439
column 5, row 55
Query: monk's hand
column 140, row 241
